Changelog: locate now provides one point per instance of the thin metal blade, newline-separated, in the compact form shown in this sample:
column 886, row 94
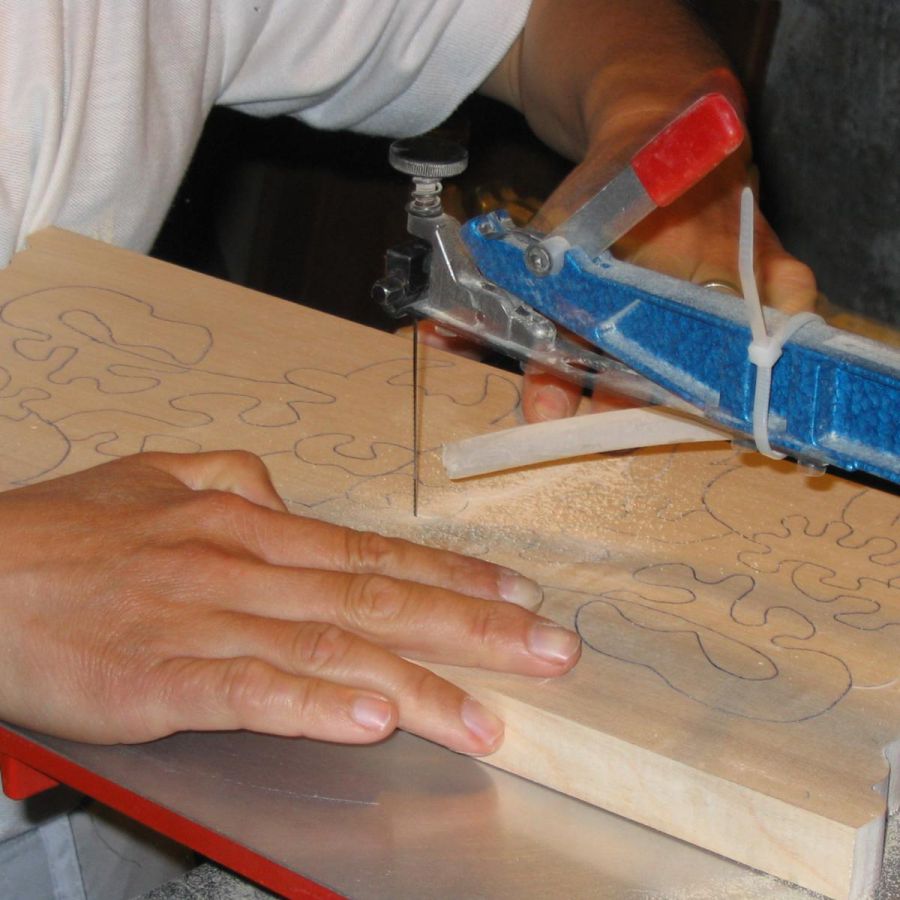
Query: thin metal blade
column 415, row 417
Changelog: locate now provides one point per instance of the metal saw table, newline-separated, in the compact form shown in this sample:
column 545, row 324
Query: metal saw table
column 404, row 818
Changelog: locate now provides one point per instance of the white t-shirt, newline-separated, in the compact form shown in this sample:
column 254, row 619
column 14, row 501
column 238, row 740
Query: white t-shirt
column 102, row 101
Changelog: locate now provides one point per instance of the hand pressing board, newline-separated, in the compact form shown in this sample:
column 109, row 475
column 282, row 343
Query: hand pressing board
column 740, row 683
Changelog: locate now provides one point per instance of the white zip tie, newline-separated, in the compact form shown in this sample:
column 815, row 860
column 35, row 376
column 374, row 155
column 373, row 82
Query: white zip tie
column 765, row 350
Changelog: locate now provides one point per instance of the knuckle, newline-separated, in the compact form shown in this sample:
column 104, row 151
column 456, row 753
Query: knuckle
column 792, row 284
column 143, row 458
column 318, row 646
column 310, row 703
column 796, row 270
column 191, row 567
column 112, row 681
column 376, row 600
column 487, row 623
column 145, row 693
column 426, row 695
column 220, row 515
column 195, row 555
column 427, row 689
column 252, row 691
column 367, row 551
column 247, row 685
column 215, row 508
column 246, row 461
column 798, row 276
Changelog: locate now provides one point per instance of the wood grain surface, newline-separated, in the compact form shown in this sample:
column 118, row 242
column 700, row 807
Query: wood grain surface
column 740, row 682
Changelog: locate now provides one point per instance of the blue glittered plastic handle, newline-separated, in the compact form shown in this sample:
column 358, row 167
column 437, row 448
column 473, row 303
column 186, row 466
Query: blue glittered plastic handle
column 835, row 396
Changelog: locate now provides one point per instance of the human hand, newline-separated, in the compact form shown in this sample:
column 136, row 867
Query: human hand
column 164, row 592
column 596, row 80
column 694, row 239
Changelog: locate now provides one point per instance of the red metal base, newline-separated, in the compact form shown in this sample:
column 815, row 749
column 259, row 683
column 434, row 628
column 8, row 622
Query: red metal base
column 20, row 781
column 27, row 769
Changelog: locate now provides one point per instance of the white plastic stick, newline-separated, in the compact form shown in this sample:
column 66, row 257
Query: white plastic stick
column 765, row 350
column 746, row 258
column 622, row 429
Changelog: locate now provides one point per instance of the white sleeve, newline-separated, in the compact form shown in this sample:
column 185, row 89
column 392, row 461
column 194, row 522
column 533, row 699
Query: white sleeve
column 102, row 101
column 392, row 67
column 101, row 105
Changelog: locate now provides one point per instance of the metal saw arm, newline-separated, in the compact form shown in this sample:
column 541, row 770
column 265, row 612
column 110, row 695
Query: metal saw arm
column 832, row 398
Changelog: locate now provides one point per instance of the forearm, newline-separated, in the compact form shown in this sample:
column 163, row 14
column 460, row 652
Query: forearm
column 599, row 72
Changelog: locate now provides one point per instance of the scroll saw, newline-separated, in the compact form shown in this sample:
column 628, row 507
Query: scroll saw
column 785, row 385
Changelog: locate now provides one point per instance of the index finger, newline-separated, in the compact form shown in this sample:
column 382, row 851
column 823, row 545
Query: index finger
column 547, row 397
column 282, row 539
column 362, row 552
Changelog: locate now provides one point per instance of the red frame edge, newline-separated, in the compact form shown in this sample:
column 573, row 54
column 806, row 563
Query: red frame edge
column 20, row 781
column 32, row 768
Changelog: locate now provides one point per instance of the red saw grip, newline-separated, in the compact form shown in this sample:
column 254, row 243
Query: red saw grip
column 689, row 148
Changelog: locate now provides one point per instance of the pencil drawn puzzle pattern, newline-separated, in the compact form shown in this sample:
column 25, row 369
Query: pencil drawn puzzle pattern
column 78, row 357
column 801, row 607
column 808, row 611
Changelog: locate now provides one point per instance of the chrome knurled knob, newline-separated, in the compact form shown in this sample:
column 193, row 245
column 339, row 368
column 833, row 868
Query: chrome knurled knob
column 428, row 157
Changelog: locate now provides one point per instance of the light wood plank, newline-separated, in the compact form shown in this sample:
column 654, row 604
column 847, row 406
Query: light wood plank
column 741, row 677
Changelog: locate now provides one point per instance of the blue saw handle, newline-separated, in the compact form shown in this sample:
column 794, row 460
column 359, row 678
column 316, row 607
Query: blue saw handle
column 835, row 397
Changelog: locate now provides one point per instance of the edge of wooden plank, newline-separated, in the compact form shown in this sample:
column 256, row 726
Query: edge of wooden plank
column 763, row 832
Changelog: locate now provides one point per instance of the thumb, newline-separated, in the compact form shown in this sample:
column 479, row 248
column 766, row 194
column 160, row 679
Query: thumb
column 234, row 471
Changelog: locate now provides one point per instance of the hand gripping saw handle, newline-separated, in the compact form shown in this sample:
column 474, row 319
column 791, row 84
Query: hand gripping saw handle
column 831, row 398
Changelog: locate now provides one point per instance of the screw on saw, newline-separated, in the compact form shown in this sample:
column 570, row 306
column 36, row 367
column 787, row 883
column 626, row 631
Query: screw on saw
column 538, row 260
column 428, row 160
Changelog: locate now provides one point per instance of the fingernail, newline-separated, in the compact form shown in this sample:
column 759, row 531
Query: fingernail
column 517, row 589
column 373, row 713
column 481, row 722
column 553, row 642
column 551, row 402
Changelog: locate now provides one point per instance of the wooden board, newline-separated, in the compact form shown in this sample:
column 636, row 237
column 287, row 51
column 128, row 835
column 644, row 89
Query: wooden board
column 740, row 684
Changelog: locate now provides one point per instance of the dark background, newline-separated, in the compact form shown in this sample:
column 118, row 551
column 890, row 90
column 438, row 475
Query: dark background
column 307, row 215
